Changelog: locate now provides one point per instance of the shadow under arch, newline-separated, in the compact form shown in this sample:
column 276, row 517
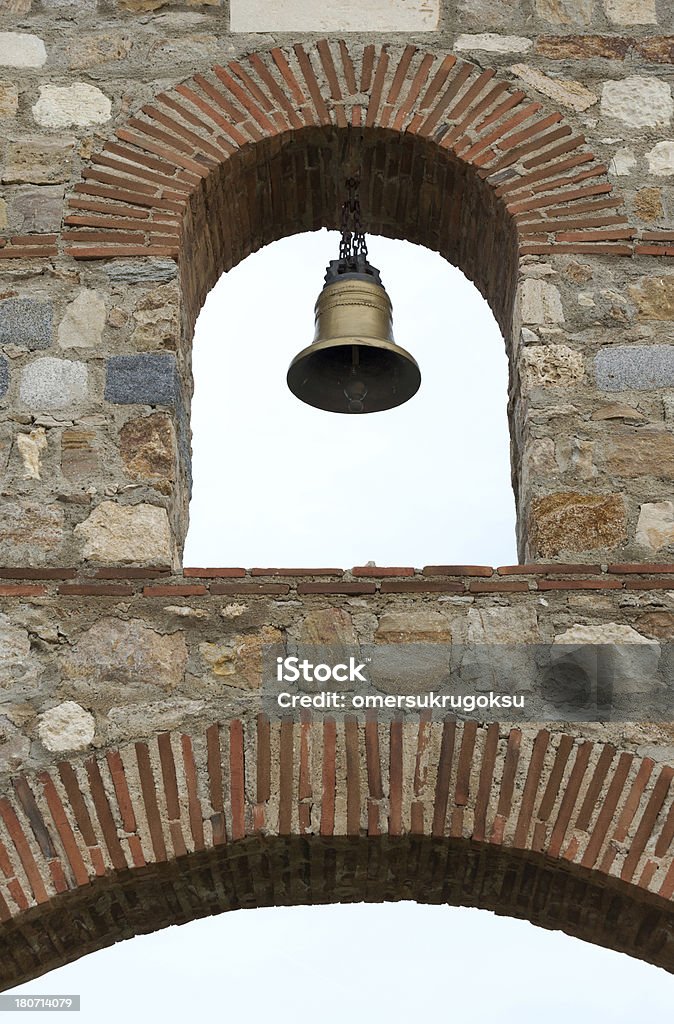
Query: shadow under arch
column 564, row 831
column 313, row 870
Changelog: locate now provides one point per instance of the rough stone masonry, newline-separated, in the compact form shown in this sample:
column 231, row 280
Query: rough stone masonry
column 149, row 146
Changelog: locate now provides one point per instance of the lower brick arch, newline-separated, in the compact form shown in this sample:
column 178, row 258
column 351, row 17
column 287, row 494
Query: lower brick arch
column 557, row 827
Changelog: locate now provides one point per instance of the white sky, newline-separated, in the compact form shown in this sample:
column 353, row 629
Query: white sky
column 280, row 484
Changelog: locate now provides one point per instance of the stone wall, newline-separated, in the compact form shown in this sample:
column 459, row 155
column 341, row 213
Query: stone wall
column 147, row 149
column 142, row 785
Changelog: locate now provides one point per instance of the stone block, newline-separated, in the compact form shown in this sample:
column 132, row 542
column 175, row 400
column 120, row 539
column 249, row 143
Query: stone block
column 30, row 447
column 14, row 747
column 655, row 527
column 654, row 297
column 129, row 721
column 569, row 93
column 38, row 160
column 139, row 271
column 638, row 102
column 569, row 521
column 68, row 726
column 145, row 379
column 83, row 321
column 552, row 366
column 661, row 158
column 503, row 625
column 89, row 51
column 77, row 104
column 328, row 626
column 127, row 533
column 623, row 162
column 540, row 302
column 631, row 12
column 422, row 626
column 565, row 12
column 127, row 657
column 497, row 14
column 29, row 532
column 630, row 658
column 26, row 323
column 49, row 383
column 147, row 450
column 493, row 43
column 648, row 205
column 9, row 101
column 634, row 367
column 4, row 376
column 21, row 50
column 79, row 459
column 582, row 47
column 36, row 209
column 316, row 16
column 641, row 452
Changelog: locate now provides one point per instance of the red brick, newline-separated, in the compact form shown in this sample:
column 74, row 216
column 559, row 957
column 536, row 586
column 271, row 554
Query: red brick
column 336, row 588
column 604, row 584
column 214, row 573
column 131, row 573
column 233, row 589
column 169, row 590
column 17, row 253
column 458, row 570
column 36, row 573
column 422, row 587
column 498, row 587
column 96, row 589
column 648, row 584
column 377, row 570
column 642, row 567
column 297, row 572
column 22, row 590
column 550, row 568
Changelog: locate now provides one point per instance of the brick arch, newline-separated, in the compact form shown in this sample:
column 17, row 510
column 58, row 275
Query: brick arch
column 449, row 155
column 562, row 830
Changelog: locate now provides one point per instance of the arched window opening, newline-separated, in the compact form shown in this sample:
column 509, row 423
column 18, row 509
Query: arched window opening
column 278, row 482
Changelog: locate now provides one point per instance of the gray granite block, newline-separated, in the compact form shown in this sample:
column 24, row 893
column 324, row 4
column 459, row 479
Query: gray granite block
column 634, row 367
column 145, row 379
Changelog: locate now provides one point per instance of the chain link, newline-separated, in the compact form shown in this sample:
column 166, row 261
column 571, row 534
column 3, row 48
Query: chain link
column 352, row 244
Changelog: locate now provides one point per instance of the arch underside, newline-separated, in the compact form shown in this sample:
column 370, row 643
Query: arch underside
column 312, row 870
column 556, row 828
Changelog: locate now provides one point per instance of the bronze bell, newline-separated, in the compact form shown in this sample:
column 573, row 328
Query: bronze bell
column 353, row 365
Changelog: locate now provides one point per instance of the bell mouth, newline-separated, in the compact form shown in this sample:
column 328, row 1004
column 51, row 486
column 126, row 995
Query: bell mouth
column 323, row 375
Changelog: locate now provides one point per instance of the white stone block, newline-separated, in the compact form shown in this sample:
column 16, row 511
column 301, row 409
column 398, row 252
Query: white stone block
column 623, row 162
column 338, row 16
column 639, row 102
column 127, row 533
column 50, row 383
column 631, row 12
column 66, row 727
column 655, row 528
column 540, row 302
column 494, row 43
column 76, row 104
column 83, row 321
column 661, row 158
column 21, row 50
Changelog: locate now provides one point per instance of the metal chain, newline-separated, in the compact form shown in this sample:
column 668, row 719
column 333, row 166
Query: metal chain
column 352, row 243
